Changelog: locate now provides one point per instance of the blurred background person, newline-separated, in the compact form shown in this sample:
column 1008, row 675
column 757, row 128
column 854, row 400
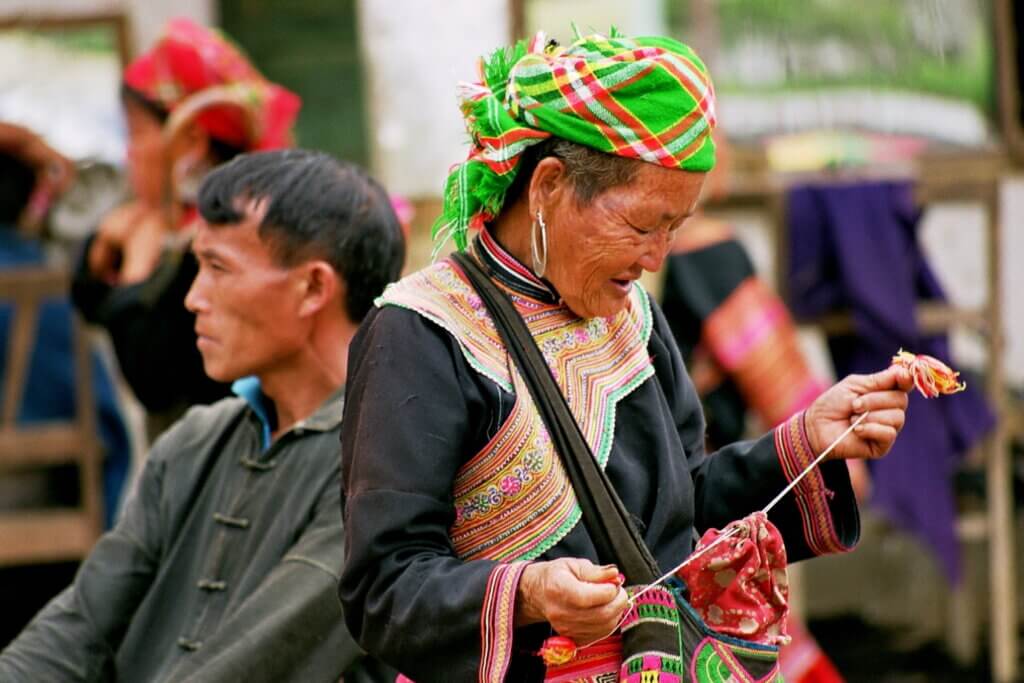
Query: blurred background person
column 191, row 102
column 32, row 175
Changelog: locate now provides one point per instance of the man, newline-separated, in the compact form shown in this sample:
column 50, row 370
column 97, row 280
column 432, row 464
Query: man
column 135, row 269
column 223, row 567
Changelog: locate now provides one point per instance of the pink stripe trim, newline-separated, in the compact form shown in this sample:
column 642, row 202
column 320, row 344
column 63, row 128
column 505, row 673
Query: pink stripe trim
column 497, row 621
column 507, row 259
column 795, row 454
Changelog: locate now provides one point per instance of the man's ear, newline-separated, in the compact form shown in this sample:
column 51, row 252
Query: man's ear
column 321, row 287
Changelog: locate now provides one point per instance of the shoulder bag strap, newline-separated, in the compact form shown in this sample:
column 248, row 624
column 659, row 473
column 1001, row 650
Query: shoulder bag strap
column 612, row 531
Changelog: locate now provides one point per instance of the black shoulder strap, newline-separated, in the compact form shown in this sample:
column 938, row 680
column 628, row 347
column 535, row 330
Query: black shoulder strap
column 612, row 531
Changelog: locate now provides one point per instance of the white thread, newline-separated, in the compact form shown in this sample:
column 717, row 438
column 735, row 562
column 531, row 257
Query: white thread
column 775, row 501
column 814, row 464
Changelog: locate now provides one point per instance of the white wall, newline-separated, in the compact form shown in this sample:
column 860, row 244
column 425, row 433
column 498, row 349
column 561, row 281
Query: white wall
column 147, row 16
column 554, row 17
column 415, row 52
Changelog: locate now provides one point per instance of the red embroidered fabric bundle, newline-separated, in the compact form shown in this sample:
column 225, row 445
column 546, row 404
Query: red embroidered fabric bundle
column 740, row 587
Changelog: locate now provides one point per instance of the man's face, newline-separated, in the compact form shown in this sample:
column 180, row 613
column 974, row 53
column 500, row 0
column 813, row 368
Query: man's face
column 247, row 306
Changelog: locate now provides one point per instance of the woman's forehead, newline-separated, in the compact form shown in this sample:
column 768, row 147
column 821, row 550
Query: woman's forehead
column 658, row 194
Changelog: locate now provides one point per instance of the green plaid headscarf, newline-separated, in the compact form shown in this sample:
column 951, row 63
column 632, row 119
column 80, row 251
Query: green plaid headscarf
column 642, row 98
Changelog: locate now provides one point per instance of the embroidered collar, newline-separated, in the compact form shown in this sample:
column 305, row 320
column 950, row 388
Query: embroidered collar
column 509, row 271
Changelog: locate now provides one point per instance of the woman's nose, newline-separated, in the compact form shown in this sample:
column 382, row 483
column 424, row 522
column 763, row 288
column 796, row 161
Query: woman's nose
column 657, row 250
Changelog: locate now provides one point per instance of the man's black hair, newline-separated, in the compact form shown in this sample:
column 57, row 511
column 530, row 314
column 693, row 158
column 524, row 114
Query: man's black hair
column 318, row 208
column 17, row 180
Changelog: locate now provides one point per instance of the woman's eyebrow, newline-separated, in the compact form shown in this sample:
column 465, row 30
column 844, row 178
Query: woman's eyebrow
column 675, row 218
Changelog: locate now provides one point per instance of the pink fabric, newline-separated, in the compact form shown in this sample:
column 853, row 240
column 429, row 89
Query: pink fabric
column 757, row 326
column 189, row 58
column 802, row 661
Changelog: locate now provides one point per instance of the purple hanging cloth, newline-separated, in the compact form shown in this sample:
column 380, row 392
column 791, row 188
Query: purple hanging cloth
column 854, row 247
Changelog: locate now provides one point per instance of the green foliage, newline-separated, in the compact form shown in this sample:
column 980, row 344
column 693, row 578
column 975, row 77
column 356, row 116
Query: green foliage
column 92, row 39
column 888, row 52
column 311, row 48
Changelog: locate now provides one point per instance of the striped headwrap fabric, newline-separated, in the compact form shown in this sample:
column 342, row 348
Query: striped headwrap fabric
column 644, row 98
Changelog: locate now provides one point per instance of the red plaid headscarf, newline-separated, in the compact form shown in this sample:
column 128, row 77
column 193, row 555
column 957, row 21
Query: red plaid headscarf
column 188, row 59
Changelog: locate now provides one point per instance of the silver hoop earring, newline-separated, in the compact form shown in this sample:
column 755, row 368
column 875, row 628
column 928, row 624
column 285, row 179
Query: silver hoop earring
column 540, row 263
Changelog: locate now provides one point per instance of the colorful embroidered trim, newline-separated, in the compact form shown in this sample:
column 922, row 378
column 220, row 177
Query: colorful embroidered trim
column 442, row 295
column 497, row 621
column 598, row 663
column 507, row 270
column 513, row 499
column 811, row 495
column 715, row 662
column 652, row 667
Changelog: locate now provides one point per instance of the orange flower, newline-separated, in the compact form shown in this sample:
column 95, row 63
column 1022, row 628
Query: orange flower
column 558, row 650
column 931, row 376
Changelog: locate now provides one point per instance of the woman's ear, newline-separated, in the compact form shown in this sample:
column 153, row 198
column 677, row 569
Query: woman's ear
column 190, row 162
column 547, row 184
column 190, row 142
column 321, row 287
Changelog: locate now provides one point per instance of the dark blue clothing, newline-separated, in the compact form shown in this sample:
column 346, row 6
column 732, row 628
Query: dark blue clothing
column 50, row 390
column 854, row 247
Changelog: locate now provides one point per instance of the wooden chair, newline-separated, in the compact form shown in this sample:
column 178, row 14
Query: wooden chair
column 46, row 534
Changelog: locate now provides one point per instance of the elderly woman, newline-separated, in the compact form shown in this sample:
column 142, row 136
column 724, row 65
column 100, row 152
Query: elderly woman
column 192, row 101
column 464, row 547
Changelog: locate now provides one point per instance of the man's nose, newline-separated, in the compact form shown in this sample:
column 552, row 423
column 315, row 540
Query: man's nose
column 195, row 301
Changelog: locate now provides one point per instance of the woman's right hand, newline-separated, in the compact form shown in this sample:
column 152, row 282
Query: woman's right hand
column 128, row 244
column 107, row 248
column 141, row 251
column 580, row 599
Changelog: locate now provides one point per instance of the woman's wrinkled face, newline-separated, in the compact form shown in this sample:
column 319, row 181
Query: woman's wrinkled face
column 597, row 250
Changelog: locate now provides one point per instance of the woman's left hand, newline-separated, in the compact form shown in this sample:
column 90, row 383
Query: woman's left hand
column 883, row 395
